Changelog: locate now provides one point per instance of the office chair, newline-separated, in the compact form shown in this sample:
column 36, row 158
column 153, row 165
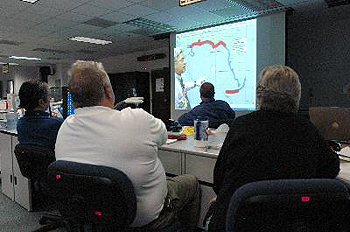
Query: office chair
column 294, row 205
column 33, row 162
column 94, row 198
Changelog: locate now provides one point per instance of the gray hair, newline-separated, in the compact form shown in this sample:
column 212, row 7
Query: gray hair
column 279, row 89
column 86, row 81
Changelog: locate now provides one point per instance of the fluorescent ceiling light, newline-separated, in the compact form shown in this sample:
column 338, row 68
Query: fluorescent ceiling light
column 91, row 40
column 23, row 58
column 1, row 63
column 30, row 1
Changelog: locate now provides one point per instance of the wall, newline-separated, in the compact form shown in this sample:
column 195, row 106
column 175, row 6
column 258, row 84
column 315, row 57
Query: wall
column 61, row 73
column 19, row 74
column 129, row 63
column 318, row 50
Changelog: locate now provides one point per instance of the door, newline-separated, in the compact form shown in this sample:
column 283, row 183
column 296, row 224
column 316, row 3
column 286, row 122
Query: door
column 7, row 177
column 161, row 94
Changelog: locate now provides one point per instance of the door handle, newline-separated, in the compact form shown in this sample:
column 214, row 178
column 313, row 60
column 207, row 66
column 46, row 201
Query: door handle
column 15, row 180
column 10, row 178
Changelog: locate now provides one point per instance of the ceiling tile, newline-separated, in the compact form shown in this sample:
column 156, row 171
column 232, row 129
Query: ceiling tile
column 183, row 11
column 160, row 5
column 214, row 4
column 138, row 10
column 118, row 17
column 6, row 12
column 15, row 5
column 19, row 23
column 61, row 23
column 123, row 27
column 26, row 16
column 161, row 17
column 83, row 28
column 61, row 4
column 111, row 4
column 75, row 17
column 138, row 1
column 91, row 10
column 40, row 10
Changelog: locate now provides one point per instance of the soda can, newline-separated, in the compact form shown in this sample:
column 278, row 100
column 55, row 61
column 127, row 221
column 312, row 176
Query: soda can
column 200, row 133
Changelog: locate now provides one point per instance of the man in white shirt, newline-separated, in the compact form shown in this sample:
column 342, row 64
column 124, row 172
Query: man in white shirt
column 127, row 140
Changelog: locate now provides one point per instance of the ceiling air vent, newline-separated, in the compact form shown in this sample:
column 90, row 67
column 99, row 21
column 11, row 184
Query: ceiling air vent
column 9, row 42
column 258, row 5
column 98, row 22
column 333, row 3
column 149, row 27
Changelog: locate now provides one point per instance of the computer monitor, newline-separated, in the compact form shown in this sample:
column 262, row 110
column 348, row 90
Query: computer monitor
column 68, row 107
column 332, row 122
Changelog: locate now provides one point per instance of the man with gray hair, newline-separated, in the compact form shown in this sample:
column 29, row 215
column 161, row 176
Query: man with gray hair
column 271, row 143
column 127, row 140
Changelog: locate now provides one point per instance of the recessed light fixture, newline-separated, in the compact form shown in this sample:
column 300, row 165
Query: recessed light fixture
column 91, row 40
column 30, row 1
column 24, row 58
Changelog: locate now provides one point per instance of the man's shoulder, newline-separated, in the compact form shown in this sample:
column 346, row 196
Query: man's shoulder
column 57, row 120
column 221, row 102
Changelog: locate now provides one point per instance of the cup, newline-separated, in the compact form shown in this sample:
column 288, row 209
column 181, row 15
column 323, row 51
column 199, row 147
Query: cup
column 200, row 133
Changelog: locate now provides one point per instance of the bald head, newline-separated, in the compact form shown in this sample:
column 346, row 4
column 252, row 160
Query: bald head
column 207, row 90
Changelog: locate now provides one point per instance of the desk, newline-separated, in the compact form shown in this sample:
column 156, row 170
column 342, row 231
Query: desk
column 13, row 184
column 182, row 157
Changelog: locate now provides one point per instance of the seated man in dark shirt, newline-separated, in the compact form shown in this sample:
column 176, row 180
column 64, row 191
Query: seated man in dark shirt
column 37, row 127
column 216, row 111
column 271, row 143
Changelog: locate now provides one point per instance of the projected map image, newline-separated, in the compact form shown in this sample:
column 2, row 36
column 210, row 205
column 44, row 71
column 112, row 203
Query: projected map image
column 223, row 55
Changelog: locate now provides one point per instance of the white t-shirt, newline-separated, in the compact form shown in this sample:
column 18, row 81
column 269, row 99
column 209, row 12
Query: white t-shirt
column 127, row 140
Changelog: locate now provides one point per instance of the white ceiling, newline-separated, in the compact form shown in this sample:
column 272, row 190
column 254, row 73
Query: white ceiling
column 42, row 29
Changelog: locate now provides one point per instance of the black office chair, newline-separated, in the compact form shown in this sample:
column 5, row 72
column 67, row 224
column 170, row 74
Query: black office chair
column 296, row 205
column 33, row 162
column 94, row 198
column 91, row 197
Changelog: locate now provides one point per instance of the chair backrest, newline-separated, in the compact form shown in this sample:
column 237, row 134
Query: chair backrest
column 33, row 160
column 298, row 205
column 90, row 194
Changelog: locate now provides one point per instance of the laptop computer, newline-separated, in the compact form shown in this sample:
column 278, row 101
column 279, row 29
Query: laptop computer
column 332, row 122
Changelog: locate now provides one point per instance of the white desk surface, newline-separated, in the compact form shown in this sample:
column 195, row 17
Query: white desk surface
column 187, row 146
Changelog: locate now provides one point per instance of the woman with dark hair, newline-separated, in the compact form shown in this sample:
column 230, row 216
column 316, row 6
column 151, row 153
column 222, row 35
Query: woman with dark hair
column 37, row 127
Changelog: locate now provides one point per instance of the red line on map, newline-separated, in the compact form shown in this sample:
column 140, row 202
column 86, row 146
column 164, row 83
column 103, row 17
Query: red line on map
column 233, row 91
column 200, row 43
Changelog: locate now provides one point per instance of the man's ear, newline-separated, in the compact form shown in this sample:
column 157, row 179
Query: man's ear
column 108, row 91
column 42, row 102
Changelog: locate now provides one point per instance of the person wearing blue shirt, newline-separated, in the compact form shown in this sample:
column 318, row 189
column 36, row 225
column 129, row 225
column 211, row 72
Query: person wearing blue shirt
column 37, row 127
column 216, row 111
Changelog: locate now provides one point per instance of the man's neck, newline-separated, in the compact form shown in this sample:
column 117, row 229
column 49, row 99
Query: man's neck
column 106, row 103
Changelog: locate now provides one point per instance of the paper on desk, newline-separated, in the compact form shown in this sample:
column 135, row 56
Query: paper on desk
column 223, row 128
column 170, row 141
column 345, row 151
